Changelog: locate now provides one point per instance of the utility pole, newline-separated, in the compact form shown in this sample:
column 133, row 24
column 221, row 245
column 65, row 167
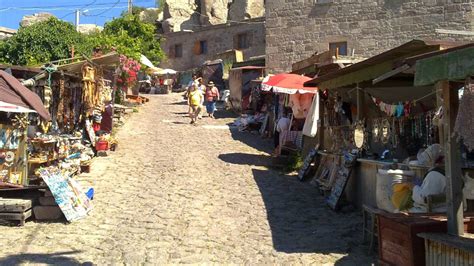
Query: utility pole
column 78, row 13
column 130, row 6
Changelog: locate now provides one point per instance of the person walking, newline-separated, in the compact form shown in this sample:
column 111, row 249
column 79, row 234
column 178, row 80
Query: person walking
column 212, row 96
column 195, row 99
column 202, row 90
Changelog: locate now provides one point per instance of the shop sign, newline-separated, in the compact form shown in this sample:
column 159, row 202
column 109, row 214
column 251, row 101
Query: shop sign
column 67, row 193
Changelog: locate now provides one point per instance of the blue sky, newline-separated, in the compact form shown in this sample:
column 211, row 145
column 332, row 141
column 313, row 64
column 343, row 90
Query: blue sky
column 96, row 11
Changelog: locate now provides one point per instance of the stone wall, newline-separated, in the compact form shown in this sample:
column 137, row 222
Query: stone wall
column 246, row 9
column 298, row 29
column 220, row 38
column 192, row 14
column 179, row 15
column 213, row 12
column 6, row 33
column 29, row 20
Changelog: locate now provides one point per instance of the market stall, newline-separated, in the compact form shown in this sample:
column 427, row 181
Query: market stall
column 71, row 98
column 451, row 71
column 398, row 129
column 240, row 86
column 16, row 102
column 292, row 104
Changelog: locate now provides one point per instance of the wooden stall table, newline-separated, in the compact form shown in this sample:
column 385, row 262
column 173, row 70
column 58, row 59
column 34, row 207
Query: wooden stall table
column 399, row 243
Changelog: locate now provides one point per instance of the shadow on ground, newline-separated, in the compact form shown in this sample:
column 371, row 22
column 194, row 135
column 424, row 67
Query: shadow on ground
column 61, row 258
column 181, row 113
column 301, row 222
column 183, row 102
column 253, row 140
column 222, row 113
column 245, row 159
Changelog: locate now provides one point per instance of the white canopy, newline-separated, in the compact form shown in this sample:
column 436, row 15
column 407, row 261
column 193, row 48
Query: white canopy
column 144, row 60
column 11, row 108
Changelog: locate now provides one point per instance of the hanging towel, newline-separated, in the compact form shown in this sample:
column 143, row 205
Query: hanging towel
column 310, row 128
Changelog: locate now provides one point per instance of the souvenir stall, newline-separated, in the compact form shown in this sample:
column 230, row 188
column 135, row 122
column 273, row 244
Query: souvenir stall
column 292, row 104
column 259, row 114
column 163, row 80
column 77, row 95
column 214, row 71
column 62, row 143
column 16, row 102
column 382, row 143
column 240, row 86
column 452, row 72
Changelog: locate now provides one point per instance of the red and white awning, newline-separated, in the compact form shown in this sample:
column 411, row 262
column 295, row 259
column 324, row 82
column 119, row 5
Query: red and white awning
column 288, row 84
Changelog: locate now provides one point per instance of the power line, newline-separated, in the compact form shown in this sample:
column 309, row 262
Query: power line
column 68, row 9
column 55, row 7
column 107, row 10
column 68, row 14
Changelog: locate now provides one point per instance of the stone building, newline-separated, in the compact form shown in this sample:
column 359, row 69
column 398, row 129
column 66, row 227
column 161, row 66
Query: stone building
column 195, row 31
column 297, row 29
column 6, row 32
column 186, row 50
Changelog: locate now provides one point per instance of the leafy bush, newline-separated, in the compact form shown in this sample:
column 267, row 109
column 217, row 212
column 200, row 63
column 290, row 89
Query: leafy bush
column 54, row 39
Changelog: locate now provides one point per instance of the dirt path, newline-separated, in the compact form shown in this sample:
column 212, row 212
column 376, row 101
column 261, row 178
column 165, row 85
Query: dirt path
column 177, row 193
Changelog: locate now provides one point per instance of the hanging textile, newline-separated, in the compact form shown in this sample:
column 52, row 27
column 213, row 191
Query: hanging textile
column 89, row 92
column 310, row 128
column 465, row 118
column 300, row 104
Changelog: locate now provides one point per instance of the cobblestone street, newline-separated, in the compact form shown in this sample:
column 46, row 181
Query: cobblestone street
column 177, row 193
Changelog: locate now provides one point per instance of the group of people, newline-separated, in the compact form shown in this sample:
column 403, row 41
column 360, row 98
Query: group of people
column 198, row 94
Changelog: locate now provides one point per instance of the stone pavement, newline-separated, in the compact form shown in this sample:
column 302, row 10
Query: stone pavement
column 177, row 193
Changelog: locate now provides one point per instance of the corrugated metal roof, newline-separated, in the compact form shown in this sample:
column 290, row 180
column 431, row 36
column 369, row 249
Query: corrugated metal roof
column 377, row 65
column 456, row 64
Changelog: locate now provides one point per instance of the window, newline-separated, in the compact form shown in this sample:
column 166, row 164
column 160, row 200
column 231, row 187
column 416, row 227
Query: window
column 242, row 41
column 338, row 48
column 178, row 50
column 203, row 45
column 200, row 47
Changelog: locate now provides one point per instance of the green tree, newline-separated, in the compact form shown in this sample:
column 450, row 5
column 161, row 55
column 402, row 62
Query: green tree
column 53, row 40
column 45, row 41
column 133, row 37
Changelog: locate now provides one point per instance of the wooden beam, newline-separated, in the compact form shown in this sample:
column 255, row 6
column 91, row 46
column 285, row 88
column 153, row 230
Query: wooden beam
column 439, row 103
column 390, row 74
column 360, row 103
column 452, row 161
column 457, row 32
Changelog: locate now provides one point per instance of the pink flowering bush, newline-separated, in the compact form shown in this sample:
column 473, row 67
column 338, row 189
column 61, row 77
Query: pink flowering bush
column 128, row 72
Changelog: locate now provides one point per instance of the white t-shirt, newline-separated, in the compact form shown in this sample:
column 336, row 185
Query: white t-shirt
column 283, row 124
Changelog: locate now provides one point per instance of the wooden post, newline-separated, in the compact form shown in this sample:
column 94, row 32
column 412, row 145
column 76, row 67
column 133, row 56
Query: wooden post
column 439, row 103
column 360, row 103
column 114, row 91
column 452, row 161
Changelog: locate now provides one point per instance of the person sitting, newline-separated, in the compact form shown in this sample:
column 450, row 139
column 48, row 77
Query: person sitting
column 434, row 182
